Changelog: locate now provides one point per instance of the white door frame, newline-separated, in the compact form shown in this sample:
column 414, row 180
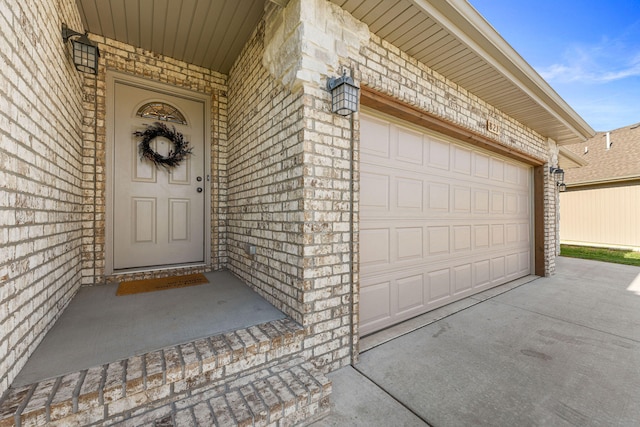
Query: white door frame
column 112, row 78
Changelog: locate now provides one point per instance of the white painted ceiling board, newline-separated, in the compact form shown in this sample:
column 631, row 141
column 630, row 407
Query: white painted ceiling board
column 448, row 36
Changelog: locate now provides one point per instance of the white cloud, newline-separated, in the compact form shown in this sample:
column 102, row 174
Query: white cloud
column 602, row 63
column 606, row 106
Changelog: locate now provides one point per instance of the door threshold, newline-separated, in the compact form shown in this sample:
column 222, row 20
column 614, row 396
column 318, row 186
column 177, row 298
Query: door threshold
column 173, row 269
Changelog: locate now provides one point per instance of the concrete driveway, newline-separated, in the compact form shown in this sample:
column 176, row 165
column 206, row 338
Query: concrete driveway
column 558, row 351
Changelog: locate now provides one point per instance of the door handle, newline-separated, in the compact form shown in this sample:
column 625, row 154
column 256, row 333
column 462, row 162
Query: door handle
column 199, row 190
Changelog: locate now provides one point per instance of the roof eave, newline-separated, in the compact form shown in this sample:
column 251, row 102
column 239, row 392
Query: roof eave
column 572, row 157
column 604, row 181
column 466, row 24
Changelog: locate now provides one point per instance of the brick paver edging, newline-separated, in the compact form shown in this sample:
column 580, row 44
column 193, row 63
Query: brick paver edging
column 125, row 389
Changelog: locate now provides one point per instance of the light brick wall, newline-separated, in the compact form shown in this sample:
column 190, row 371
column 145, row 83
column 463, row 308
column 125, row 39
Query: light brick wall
column 290, row 193
column 41, row 175
column 265, row 173
column 391, row 71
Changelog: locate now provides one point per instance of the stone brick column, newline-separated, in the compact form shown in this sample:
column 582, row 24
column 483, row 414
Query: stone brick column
column 306, row 43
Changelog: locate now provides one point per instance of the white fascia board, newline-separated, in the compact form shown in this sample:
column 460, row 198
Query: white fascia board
column 468, row 26
column 572, row 157
column 603, row 181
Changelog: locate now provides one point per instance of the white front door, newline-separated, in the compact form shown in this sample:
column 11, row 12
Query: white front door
column 158, row 213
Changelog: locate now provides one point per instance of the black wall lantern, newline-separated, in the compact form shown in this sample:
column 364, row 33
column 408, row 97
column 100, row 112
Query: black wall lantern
column 85, row 52
column 344, row 94
column 558, row 175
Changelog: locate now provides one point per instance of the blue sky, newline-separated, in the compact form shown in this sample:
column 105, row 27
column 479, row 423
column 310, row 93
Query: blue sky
column 587, row 50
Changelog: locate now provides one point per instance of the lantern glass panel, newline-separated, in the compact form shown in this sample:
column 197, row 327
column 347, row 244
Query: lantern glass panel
column 345, row 99
column 85, row 57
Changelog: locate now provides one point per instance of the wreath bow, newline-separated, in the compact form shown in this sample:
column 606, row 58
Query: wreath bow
column 180, row 151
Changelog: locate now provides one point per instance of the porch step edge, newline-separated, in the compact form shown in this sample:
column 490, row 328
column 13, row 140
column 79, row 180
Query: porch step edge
column 101, row 392
column 290, row 393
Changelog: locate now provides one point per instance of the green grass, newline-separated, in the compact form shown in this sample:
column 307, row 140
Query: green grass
column 617, row 256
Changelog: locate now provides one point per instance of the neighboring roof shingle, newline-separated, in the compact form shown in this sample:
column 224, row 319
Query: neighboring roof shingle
column 620, row 161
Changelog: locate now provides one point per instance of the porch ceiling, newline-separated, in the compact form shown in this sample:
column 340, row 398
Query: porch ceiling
column 208, row 33
column 449, row 36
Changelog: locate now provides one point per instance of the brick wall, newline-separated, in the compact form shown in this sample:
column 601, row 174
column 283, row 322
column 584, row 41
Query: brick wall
column 265, row 173
column 290, row 185
column 41, row 175
column 391, row 71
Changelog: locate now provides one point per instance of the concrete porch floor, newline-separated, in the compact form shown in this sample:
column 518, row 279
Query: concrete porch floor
column 99, row 327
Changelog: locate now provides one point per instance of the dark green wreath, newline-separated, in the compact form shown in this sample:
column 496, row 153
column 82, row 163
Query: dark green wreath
column 180, row 151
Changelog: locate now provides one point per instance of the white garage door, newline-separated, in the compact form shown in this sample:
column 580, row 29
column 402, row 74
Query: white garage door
column 439, row 221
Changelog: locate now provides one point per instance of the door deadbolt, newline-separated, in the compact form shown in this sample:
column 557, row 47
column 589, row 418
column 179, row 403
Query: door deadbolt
column 199, row 178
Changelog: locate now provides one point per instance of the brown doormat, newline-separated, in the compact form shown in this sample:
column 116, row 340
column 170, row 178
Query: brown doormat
column 151, row 285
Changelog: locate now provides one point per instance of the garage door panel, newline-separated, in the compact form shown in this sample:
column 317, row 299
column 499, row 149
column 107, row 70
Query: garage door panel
column 410, row 293
column 482, row 273
column 377, row 133
column 511, row 204
column 496, row 168
column 375, row 303
column 498, row 269
column 511, row 174
column 523, row 205
column 439, row 283
column 440, row 220
column 462, row 160
column 410, row 147
column 481, row 236
column 438, row 240
column 462, row 278
column 409, row 194
column 524, row 236
column 512, row 265
column 511, row 234
column 438, row 154
column 438, row 197
column 497, row 202
column 410, row 243
column 497, row 235
column 461, row 200
column 462, row 238
column 524, row 262
column 481, row 165
column 375, row 194
column 480, row 201
column 375, row 244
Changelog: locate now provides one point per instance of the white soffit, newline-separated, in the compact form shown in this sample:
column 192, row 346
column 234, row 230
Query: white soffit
column 449, row 36
column 452, row 38
column 207, row 33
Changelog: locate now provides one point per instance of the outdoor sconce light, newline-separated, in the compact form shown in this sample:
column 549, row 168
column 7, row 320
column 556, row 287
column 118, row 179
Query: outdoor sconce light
column 344, row 94
column 558, row 174
column 85, row 52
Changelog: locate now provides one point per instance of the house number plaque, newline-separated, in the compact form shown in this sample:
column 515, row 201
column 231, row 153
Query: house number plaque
column 493, row 126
